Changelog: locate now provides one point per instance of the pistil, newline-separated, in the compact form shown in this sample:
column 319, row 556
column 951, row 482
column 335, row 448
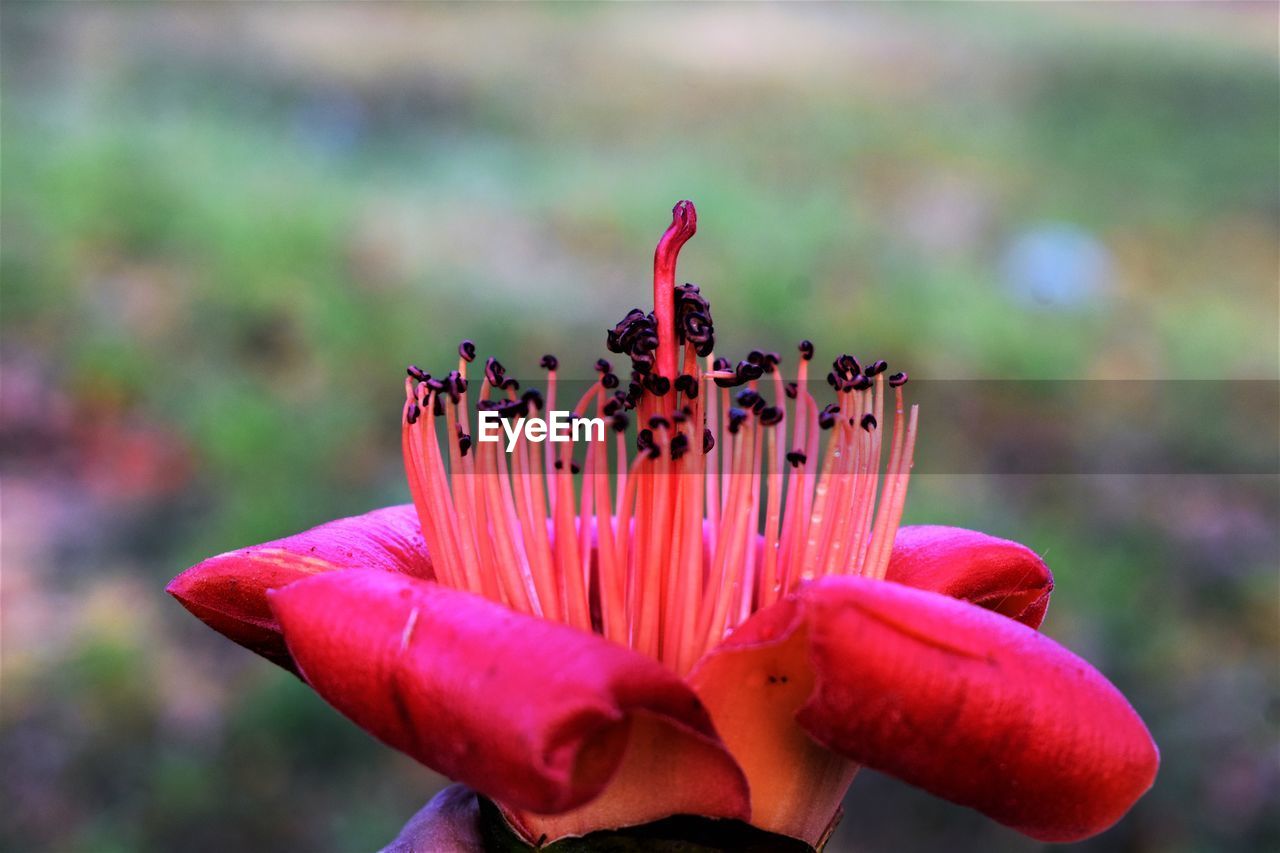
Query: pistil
column 734, row 489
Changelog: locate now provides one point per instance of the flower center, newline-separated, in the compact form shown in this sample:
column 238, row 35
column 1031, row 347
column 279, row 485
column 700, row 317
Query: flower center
column 739, row 488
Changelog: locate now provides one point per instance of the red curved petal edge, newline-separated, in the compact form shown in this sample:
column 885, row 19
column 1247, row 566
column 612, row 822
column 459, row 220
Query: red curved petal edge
column 531, row 713
column 997, row 574
column 969, row 705
column 229, row 592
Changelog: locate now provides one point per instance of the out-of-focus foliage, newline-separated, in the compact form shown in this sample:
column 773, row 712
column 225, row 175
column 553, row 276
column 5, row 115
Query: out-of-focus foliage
column 226, row 228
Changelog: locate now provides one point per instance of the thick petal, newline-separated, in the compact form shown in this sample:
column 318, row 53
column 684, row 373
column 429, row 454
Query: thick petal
column 450, row 823
column 534, row 714
column 997, row 574
column 229, row 592
column 971, row 706
column 753, row 685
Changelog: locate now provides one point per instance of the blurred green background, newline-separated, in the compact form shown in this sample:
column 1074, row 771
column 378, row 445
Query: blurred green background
column 226, row 228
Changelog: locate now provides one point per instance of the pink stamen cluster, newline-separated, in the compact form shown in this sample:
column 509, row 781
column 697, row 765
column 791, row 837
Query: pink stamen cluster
column 722, row 509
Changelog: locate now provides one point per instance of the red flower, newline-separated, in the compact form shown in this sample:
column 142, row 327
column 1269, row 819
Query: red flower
column 594, row 649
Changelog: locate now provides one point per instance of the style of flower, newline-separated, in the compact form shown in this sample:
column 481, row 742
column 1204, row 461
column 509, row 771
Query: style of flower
column 726, row 622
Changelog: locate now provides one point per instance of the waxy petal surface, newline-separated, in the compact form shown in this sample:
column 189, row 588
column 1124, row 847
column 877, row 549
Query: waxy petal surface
column 997, row 574
column 971, row 706
column 754, row 684
column 533, row 714
column 229, row 592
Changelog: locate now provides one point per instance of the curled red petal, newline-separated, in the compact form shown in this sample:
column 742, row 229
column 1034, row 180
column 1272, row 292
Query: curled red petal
column 997, row 574
column 229, row 592
column 973, row 707
column 532, row 713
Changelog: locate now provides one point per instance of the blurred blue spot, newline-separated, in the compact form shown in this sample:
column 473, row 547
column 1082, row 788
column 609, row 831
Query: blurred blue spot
column 331, row 122
column 1056, row 266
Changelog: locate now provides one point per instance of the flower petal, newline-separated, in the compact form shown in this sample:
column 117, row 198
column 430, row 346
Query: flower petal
column 534, row 714
column 997, row 574
column 972, row 707
column 450, row 823
column 753, row 684
column 229, row 592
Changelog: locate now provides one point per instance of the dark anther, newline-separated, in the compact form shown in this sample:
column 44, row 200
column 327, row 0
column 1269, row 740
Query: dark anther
column 611, row 408
column 417, row 374
column 678, row 418
column 412, row 415
column 827, row 417
column 533, row 399
column 747, row 398
column 504, row 408
column 437, row 406
column 797, row 458
column 574, row 468
column 622, row 336
column 467, row 350
column 620, row 421
column 897, row 380
column 494, row 372
column 771, row 416
column 721, row 363
column 679, row 445
column 434, row 384
column 736, row 417
column 454, row 385
column 603, row 366
column 806, row 349
column 877, row 367
column 464, row 442
column 868, row 422
column 687, row 385
column 609, row 380
column 743, row 373
column 861, row 382
column 549, row 362
column 834, row 380
column 693, row 320
column 791, row 389
column 559, row 465
column 510, row 384
column 636, row 335
column 755, row 357
column 659, row 385
column 847, row 365
column 644, row 440
column 771, row 362
column 708, row 441
column 659, row 422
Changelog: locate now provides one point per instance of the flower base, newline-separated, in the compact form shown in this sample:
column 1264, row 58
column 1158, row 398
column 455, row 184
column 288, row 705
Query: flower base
column 678, row 834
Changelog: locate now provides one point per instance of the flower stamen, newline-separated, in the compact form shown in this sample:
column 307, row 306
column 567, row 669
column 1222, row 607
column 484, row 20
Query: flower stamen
column 722, row 507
